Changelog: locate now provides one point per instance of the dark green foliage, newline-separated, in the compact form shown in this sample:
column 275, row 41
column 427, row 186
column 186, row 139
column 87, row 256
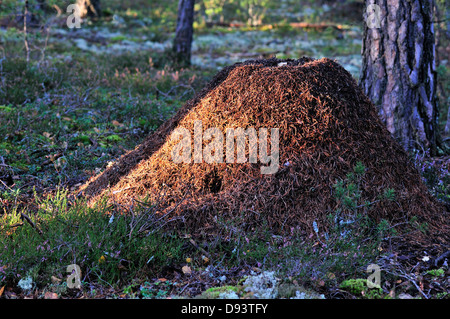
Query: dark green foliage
column 23, row 83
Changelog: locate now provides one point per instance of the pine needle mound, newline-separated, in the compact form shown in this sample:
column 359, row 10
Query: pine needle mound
column 326, row 125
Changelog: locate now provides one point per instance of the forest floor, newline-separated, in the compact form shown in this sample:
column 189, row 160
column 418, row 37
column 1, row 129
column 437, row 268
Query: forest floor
column 88, row 95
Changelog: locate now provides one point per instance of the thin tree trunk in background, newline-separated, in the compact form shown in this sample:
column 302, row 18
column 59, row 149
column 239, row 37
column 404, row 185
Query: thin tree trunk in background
column 447, row 125
column 40, row 5
column 184, row 32
column 25, row 32
column 89, row 8
column 442, row 14
column 399, row 71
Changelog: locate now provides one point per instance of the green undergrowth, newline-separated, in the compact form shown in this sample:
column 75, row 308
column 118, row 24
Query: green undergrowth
column 127, row 249
column 115, row 247
column 55, row 125
column 108, row 247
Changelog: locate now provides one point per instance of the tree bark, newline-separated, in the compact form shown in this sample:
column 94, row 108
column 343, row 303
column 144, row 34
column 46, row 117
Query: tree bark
column 447, row 124
column 399, row 70
column 41, row 5
column 184, row 32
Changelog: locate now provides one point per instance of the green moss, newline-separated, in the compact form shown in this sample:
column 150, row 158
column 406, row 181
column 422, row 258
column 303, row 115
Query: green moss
column 118, row 38
column 5, row 108
column 358, row 287
column 436, row 272
column 82, row 139
column 114, row 138
column 214, row 292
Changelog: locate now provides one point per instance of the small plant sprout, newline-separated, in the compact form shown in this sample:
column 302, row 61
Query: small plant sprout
column 389, row 194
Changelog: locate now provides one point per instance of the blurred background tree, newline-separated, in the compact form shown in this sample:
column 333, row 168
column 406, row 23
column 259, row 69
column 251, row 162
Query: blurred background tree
column 184, row 33
column 89, row 8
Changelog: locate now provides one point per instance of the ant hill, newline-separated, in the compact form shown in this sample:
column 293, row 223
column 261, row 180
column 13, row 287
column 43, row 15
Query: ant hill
column 264, row 144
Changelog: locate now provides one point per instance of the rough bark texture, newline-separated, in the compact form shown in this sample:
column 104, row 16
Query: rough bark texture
column 447, row 125
column 399, row 71
column 184, row 32
column 89, row 8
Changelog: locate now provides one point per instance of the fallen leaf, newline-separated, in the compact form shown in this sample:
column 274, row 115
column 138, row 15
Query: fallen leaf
column 50, row 295
column 392, row 293
column 186, row 270
column 55, row 280
column 162, row 279
column 1, row 290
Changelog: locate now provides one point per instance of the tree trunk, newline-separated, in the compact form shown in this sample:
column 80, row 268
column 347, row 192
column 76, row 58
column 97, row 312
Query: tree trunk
column 447, row 125
column 184, row 32
column 89, row 8
column 399, row 71
column 40, row 5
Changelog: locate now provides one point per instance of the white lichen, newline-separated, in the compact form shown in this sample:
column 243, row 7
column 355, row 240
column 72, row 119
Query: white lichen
column 262, row 286
column 305, row 295
column 229, row 294
column 26, row 283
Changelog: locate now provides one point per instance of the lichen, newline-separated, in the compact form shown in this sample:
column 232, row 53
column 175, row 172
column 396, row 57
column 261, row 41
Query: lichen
column 293, row 291
column 262, row 286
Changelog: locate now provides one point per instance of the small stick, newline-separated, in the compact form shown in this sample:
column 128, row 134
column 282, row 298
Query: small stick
column 199, row 248
column 442, row 257
column 28, row 219
column 16, row 225
column 27, row 48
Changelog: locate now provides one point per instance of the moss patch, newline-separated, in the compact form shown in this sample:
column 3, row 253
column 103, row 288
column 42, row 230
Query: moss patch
column 219, row 292
column 358, row 287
